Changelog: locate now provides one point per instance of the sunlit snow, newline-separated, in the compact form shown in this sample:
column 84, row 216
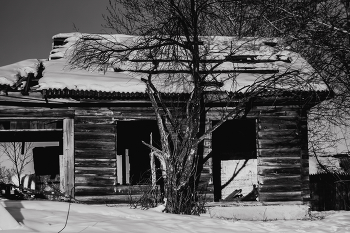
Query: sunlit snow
column 47, row 216
column 295, row 72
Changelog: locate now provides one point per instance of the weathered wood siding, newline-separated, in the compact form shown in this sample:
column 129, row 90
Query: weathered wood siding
column 279, row 153
column 95, row 152
column 305, row 181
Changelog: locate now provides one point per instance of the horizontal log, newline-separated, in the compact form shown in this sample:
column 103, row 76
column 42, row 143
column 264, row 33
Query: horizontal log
column 133, row 189
column 249, row 70
column 125, row 109
column 36, row 112
column 96, row 171
column 107, row 199
column 126, row 117
column 93, row 136
column 276, row 161
column 255, row 113
column 94, row 112
column 278, row 143
column 276, row 127
column 279, row 188
column 267, row 170
column 280, row 196
column 279, row 180
column 94, row 128
column 286, row 134
column 89, row 163
column 117, row 190
column 88, row 190
column 94, row 181
column 278, row 152
column 268, row 108
column 278, row 119
column 94, row 120
column 85, row 153
column 96, row 145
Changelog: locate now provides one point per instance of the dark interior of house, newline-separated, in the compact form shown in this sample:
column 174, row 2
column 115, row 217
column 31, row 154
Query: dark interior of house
column 233, row 140
column 130, row 136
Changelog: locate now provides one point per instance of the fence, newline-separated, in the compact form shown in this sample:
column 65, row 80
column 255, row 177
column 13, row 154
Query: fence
column 330, row 191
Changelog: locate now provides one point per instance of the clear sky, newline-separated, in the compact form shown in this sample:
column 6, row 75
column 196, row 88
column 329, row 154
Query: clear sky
column 27, row 26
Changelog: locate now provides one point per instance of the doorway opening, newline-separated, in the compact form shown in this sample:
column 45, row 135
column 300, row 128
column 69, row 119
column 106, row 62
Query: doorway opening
column 135, row 154
column 235, row 161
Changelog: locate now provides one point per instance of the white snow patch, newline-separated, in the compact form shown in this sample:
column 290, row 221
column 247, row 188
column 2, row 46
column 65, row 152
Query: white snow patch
column 47, row 216
column 59, row 75
column 8, row 73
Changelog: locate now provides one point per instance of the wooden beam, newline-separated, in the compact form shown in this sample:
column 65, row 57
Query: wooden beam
column 67, row 170
column 120, row 169
column 249, row 70
column 127, row 167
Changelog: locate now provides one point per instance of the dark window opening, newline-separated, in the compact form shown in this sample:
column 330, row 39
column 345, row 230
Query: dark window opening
column 130, row 137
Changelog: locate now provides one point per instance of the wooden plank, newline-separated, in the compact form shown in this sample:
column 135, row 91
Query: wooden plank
column 96, row 145
column 93, row 112
column 120, row 169
column 276, row 127
column 88, row 190
column 63, row 167
column 107, row 199
column 279, row 179
column 278, row 143
column 94, row 136
column 35, row 113
column 286, row 134
column 101, row 171
column 94, row 120
column 278, row 120
column 278, row 152
column 117, row 190
column 279, row 188
column 95, row 163
column 94, row 128
column 280, row 196
column 127, row 167
column 30, row 130
column 85, row 153
column 267, row 170
column 94, row 181
column 275, row 161
column 68, row 153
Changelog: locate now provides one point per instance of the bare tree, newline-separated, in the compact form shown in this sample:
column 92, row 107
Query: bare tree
column 5, row 175
column 320, row 32
column 176, row 50
column 19, row 154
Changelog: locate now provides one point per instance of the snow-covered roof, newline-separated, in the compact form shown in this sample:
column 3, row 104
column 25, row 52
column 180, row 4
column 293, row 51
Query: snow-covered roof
column 9, row 74
column 59, row 75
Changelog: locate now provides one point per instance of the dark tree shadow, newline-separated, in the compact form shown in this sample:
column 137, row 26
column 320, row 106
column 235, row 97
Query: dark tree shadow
column 14, row 208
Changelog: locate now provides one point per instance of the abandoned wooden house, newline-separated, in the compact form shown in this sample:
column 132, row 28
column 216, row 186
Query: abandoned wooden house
column 99, row 120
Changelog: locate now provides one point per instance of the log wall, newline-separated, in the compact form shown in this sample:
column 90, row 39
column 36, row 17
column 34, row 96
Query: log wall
column 279, row 154
column 281, row 144
column 95, row 152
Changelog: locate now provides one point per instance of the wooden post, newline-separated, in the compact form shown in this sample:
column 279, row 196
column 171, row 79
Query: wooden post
column 62, row 173
column 67, row 170
column 153, row 163
column 127, row 167
column 120, row 169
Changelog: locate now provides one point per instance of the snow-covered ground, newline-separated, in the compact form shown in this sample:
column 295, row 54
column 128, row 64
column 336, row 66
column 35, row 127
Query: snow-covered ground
column 48, row 216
